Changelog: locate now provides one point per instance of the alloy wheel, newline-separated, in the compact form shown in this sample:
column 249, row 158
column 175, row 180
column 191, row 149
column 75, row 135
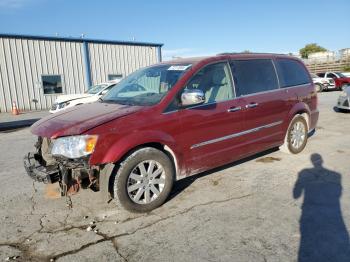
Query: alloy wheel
column 146, row 182
column 298, row 135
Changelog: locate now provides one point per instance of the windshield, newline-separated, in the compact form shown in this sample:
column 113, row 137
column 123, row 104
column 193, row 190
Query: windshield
column 96, row 89
column 340, row 74
column 146, row 86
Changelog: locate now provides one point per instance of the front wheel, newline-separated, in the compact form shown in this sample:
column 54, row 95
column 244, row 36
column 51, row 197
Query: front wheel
column 144, row 180
column 296, row 136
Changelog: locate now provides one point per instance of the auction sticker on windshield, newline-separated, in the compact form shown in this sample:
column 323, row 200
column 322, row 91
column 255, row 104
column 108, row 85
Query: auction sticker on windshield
column 178, row 67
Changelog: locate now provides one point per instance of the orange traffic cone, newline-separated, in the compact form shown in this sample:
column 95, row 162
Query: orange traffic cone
column 14, row 109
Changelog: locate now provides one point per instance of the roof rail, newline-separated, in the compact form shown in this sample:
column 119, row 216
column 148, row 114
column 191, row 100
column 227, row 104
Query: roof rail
column 248, row 53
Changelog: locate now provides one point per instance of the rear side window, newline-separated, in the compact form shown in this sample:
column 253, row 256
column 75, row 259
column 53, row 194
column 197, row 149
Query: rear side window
column 253, row 76
column 291, row 73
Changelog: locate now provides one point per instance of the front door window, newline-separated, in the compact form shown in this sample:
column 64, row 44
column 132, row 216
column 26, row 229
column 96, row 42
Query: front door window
column 215, row 82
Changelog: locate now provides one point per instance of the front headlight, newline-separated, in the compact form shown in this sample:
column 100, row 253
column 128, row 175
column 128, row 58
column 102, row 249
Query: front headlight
column 74, row 146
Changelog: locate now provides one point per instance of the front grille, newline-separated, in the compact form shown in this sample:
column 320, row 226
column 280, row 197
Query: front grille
column 346, row 103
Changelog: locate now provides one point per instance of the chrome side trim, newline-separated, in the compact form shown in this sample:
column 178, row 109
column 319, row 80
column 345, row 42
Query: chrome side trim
column 235, row 135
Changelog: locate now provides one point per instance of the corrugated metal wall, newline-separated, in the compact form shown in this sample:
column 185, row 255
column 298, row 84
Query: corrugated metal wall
column 111, row 59
column 24, row 61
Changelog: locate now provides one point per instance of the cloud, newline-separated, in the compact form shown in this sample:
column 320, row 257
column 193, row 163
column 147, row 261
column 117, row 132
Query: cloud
column 13, row 4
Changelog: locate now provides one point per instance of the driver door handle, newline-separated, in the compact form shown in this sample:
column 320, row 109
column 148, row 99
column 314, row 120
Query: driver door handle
column 234, row 109
column 251, row 105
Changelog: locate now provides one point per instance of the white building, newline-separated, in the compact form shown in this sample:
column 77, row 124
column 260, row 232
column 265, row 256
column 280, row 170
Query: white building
column 35, row 69
column 322, row 55
column 344, row 52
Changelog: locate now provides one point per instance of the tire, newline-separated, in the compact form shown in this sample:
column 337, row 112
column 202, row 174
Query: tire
column 298, row 125
column 134, row 185
column 318, row 88
column 341, row 110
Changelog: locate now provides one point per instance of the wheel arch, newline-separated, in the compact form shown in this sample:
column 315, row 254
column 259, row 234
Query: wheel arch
column 302, row 109
column 157, row 145
column 106, row 174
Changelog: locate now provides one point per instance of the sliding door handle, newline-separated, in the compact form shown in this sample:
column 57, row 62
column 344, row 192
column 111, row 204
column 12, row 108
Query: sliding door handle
column 234, row 109
column 251, row 105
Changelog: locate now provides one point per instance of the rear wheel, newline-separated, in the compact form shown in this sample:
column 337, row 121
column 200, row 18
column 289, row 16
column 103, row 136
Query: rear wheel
column 296, row 136
column 318, row 88
column 144, row 180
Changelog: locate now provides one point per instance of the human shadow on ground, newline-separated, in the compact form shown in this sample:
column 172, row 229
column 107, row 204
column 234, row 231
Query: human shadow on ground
column 324, row 236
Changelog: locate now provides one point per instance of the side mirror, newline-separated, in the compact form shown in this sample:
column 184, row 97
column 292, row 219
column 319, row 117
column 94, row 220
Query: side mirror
column 192, row 97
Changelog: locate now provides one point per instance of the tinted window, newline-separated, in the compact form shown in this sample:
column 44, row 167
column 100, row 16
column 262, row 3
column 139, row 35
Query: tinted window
column 330, row 75
column 52, row 84
column 253, row 76
column 320, row 74
column 214, row 80
column 291, row 73
column 340, row 74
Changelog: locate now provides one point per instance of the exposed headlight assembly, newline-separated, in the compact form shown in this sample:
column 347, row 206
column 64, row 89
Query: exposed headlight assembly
column 74, row 146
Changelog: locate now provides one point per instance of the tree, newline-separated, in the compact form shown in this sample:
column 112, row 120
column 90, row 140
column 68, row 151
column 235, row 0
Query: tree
column 311, row 48
column 346, row 68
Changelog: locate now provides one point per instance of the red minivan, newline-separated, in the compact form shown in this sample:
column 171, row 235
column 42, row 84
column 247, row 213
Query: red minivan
column 173, row 120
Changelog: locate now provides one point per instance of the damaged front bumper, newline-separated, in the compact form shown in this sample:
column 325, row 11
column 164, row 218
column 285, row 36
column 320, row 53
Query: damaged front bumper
column 35, row 169
column 71, row 174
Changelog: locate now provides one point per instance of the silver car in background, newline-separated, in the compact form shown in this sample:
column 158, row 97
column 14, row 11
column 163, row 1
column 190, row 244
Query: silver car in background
column 343, row 103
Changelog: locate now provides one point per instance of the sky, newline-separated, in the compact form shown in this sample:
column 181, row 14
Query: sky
column 188, row 28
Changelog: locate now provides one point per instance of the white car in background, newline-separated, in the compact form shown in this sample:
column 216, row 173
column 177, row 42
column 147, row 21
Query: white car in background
column 92, row 95
column 322, row 83
column 347, row 74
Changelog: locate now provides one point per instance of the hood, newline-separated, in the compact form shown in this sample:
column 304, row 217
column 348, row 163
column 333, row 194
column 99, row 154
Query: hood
column 65, row 98
column 79, row 119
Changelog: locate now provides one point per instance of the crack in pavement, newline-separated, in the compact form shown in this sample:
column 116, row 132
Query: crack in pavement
column 32, row 199
column 27, row 254
column 114, row 237
column 114, row 242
